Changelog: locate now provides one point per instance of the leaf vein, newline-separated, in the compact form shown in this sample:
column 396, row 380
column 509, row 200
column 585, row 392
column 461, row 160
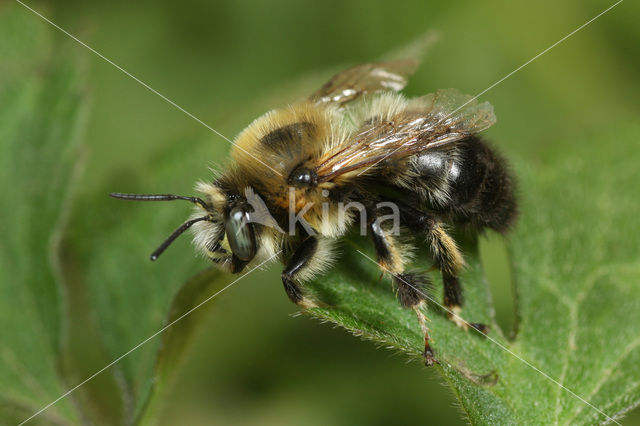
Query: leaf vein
column 608, row 372
column 574, row 308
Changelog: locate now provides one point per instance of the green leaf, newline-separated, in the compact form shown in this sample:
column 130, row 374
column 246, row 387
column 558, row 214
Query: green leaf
column 576, row 266
column 42, row 113
column 185, row 316
column 575, row 243
column 131, row 298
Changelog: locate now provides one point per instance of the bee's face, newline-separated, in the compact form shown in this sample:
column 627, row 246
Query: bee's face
column 229, row 238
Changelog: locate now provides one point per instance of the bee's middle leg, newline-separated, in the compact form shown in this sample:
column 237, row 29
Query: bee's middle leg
column 410, row 287
column 449, row 259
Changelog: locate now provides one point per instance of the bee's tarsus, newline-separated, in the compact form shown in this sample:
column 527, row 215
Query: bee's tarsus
column 429, row 358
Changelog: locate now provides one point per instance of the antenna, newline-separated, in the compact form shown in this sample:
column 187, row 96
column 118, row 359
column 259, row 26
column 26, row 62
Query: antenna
column 158, row 197
column 166, row 197
column 175, row 235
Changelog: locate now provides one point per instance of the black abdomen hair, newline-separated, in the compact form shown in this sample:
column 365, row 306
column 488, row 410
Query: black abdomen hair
column 482, row 194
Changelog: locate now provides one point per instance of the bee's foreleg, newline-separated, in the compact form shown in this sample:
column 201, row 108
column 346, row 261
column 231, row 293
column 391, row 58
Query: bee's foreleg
column 299, row 265
column 410, row 287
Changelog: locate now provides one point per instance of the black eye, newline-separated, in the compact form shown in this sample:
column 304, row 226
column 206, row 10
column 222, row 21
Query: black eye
column 240, row 235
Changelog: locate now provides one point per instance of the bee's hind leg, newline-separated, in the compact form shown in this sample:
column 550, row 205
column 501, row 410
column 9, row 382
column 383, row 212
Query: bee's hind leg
column 450, row 260
column 410, row 287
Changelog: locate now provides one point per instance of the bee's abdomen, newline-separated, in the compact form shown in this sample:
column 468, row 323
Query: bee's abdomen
column 482, row 193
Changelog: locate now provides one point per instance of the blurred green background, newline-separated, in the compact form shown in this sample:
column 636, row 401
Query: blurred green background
column 227, row 62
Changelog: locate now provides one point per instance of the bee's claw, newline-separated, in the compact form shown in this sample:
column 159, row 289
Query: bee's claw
column 454, row 315
column 482, row 328
column 429, row 358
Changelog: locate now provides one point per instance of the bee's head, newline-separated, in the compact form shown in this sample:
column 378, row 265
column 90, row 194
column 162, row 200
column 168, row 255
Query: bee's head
column 220, row 223
column 229, row 238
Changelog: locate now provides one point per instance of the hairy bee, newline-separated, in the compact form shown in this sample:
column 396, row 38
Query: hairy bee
column 298, row 171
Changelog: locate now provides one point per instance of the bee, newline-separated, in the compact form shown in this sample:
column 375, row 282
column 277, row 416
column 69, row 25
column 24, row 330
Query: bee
column 296, row 171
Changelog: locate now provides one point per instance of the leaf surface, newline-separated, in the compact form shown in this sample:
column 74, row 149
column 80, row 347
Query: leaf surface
column 575, row 258
column 42, row 112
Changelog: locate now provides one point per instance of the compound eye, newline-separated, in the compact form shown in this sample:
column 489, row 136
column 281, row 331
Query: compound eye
column 240, row 234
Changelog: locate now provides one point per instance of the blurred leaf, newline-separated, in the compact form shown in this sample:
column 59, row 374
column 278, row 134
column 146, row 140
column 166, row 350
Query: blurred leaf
column 62, row 310
column 576, row 263
column 41, row 116
column 131, row 297
column 186, row 312
column 108, row 240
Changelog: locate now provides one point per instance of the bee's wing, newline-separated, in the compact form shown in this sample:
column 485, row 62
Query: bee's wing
column 443, row 118
column 366, row 78
column 388, row 75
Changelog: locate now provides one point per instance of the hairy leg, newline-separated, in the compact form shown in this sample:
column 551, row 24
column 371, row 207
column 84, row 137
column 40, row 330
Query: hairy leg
column 308, row 258
column 410, row 287
column 448, row 258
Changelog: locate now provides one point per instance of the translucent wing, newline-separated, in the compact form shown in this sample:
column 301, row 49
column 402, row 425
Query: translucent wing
column 443, row 118
column 387, row 75
column 367, row 78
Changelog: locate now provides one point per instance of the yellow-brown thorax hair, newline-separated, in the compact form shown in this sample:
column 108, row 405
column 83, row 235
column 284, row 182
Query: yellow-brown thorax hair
column 269, row 149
